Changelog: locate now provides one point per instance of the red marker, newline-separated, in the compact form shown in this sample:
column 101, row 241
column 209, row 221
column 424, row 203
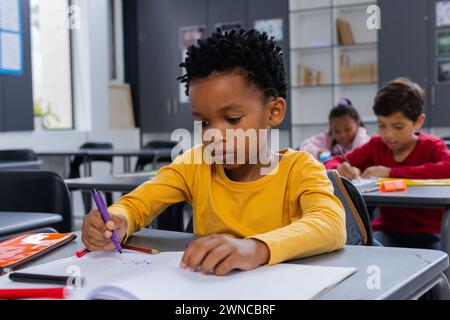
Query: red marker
column 81, row 253
column 43, row 293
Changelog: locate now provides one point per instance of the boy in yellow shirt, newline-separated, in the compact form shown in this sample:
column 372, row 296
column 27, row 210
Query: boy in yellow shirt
column 251, row 206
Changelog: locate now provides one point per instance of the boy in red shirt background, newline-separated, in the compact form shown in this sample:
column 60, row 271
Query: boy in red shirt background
column 400, row 151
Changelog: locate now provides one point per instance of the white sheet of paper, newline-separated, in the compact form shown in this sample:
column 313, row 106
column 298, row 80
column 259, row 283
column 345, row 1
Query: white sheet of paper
column 364, row 182
column 159, row 277
column 9, row 15
column 11, row 55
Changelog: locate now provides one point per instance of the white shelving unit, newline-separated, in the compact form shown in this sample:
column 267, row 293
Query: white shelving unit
column 314, row 44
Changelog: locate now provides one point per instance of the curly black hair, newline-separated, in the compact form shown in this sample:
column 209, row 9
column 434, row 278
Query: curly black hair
column 248, row 51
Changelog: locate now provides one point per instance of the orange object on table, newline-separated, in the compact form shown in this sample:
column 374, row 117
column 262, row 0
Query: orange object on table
column 393, row 186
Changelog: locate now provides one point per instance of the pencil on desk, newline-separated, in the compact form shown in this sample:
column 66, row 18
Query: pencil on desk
column 144, row 250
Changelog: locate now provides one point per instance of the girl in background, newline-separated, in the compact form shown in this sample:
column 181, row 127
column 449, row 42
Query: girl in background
column 346, row 132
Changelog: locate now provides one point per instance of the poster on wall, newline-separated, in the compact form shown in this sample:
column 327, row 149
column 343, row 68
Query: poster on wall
column 444, row 71
column 11, row 55
column 228, row 26
column 183, row 98
column 442, row 13
column 189, row 35
column 443, row 42
column 273, row 27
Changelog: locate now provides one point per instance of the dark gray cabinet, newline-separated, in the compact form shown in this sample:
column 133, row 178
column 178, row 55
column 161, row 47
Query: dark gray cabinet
column 159, row 51
column 188, row 13
column 160, row 54
column 439, row 97
column 227, row 14
column 272, row 9
column 408, row 47
column 403, row 44
column 157, row 76
column 16, row 92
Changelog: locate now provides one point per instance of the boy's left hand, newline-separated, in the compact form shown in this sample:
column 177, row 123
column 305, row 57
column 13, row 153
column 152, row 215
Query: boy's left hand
column 219, row 255
column 378, row 171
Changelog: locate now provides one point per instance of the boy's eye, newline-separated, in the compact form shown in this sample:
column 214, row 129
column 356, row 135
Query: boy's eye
column 203, row 123
column 234, row 120
column 399, row 127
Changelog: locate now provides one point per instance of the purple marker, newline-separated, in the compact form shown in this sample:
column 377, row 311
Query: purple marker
column 106, row 217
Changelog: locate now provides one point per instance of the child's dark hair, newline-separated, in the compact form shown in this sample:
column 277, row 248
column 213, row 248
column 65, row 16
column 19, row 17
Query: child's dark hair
column 400, row 95
column 251, row 52
column 345, row 108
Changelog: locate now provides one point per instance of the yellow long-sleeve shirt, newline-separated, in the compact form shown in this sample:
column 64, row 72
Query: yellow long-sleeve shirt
column 293, row 211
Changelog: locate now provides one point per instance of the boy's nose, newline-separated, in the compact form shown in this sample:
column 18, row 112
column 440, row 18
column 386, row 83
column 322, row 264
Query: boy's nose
column 389, row 134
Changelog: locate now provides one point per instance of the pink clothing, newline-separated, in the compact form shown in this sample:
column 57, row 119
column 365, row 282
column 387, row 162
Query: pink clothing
column 324, row 141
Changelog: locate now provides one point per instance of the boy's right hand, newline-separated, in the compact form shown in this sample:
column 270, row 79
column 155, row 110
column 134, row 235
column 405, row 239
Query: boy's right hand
column 96, row 235
column 349, row 172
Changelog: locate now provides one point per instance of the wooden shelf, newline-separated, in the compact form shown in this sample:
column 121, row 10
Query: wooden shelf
column 311, row 10
column 332, row 7
column 337, row 46
column 331, row 85
column 353, row 6
column 356, row 84
column 316, row 124
column 318, row 49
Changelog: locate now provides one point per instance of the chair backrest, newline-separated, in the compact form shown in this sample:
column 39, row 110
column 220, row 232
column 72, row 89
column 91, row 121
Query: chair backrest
column 18, row 155
column 99, row 145
column 160, row 144
column 78, row 161
column 359, row 231
column 36, row 191
column 157, row 144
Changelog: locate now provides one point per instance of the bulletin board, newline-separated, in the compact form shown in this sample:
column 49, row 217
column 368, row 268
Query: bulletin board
column 11, row 37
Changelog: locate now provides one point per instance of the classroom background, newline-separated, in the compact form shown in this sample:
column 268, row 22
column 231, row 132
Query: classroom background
column 105, row 71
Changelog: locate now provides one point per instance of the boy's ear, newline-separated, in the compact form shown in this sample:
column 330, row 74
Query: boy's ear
column 420, row 121
column 277, row 111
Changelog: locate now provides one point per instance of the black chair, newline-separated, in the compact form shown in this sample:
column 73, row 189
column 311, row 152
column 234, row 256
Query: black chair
column 36, row 191
column 447, row 141
column 78, row 161
column 17, row 155
column 145, row 160
column 359, row 230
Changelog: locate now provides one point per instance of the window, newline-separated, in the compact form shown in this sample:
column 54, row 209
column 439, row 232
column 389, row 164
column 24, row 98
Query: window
column 51, row 63
column 115, row 37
